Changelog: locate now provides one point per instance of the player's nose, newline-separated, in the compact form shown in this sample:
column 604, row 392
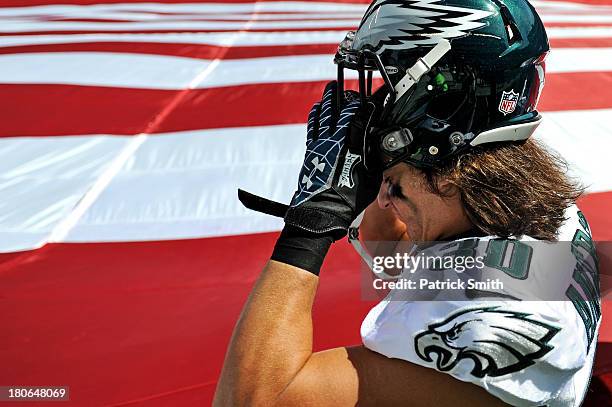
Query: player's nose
column 383, row 196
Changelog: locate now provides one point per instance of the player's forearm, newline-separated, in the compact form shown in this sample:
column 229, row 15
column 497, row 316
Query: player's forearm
column 380, row 231
column 272, row 340
column 381, row 225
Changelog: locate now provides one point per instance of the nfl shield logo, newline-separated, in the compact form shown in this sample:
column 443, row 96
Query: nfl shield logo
column 508, row 102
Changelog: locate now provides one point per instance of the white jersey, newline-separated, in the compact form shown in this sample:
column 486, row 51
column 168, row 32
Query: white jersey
column 527, row 353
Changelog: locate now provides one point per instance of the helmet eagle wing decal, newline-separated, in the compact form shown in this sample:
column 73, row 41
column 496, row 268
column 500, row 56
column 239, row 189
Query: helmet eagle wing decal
column 397, row 24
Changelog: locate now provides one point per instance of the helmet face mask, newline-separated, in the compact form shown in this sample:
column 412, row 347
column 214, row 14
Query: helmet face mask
column 365, row 62
column 464, row 88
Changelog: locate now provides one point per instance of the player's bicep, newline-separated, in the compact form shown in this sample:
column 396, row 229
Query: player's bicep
column 358, row 376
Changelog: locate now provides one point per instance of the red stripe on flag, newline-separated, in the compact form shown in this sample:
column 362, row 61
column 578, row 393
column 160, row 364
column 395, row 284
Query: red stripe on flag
column 175, row 31
column 47, row 110
column 590, row 2
column 546, row 11
column 570, row 24
column 44, row 110
column 596, row 207
column 580, row 42
column 150, row 313
column 181, row 50
column 247, row 29
column 205, row 51
column 577, row 91
column 245, row 13
column 156, row 315
column 250, row 29
column 27, row 3
column 198, row 17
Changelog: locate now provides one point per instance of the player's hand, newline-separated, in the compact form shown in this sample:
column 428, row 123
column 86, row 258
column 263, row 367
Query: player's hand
column 333, row 184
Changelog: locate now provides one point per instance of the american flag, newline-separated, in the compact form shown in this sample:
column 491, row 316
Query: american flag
column 126, row 129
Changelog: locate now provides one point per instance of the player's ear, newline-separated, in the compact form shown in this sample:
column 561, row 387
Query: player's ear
column 447, row 188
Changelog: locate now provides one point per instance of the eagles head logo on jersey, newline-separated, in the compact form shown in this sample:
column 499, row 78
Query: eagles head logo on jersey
column 495, row 341
column 402, row 24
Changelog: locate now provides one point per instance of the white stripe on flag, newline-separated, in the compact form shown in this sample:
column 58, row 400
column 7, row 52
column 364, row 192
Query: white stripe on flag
column 565, row 5
column 42, row 179
column 89, row 14
column 158, row 72
column 16, row 26
column 167, row 72
column 579, row 60
column 577, row 18
column 183, row 185
column 232, row 38
column 582, row 138
column 257, row 7
column 581, row 32
column 26, row 25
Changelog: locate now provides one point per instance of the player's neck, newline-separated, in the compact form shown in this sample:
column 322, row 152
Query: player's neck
column 452, row 220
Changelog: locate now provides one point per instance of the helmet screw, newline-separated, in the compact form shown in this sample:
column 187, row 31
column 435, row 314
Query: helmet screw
column 433, row 150
column 456, row 138
column 390, row 143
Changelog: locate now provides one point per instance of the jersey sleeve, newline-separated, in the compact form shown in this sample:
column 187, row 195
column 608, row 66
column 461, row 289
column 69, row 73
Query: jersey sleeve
column 523, row 353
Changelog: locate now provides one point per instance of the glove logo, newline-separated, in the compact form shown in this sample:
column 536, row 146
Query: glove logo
column 346, row 176
column 317, row 167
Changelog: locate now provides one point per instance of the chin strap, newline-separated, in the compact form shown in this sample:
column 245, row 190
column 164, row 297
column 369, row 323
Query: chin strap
column 263, row 205
column 269, row 207
column 421, row 67
column 353, row 238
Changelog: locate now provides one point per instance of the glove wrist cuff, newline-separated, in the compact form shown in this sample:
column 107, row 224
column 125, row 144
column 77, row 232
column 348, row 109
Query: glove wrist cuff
column 318, row 221
column 301, row 249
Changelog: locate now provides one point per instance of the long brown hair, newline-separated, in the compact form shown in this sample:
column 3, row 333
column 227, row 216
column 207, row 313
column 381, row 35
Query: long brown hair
column 512, row 189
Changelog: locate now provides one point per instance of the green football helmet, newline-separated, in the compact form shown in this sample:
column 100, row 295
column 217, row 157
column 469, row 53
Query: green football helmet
column 457, row 74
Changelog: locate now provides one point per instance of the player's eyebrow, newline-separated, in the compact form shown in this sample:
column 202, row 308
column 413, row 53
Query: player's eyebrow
column 394, row 189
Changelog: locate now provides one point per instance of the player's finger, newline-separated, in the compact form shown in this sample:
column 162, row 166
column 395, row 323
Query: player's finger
column 344, row 119
column 348, row 112
column 312, row 128
column 326, row 117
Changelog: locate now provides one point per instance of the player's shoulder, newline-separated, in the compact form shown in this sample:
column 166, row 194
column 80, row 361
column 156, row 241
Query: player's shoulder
column 526, row 352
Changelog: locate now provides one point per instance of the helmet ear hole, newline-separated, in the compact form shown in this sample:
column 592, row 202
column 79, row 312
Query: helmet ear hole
column 444, row 106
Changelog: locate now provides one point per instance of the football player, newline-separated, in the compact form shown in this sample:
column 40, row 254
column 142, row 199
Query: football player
column 441, row 152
